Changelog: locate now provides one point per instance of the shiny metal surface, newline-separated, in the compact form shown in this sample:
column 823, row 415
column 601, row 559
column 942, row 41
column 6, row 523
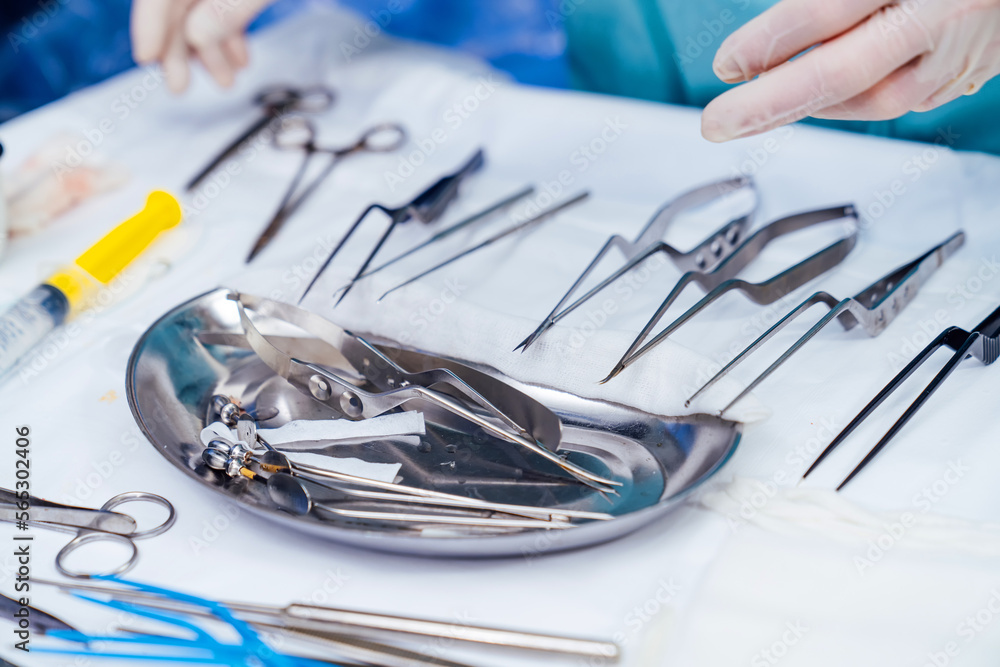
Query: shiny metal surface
column 174, row 374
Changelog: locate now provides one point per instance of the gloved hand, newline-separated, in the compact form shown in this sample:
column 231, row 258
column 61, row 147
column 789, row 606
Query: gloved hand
column 173, row 31
column 872, row 61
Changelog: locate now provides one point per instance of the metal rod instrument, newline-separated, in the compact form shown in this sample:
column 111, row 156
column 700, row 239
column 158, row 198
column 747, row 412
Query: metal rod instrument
column 344, row 621
column 982, row 343
column 426, row 207
column 480, row 216
column 706, row 256
column 874, row 309
column 723, row 278
column 531, row 222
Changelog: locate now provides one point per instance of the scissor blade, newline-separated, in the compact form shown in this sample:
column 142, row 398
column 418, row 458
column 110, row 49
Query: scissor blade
column 106, row 522
column 226, row 152
column 41, row 622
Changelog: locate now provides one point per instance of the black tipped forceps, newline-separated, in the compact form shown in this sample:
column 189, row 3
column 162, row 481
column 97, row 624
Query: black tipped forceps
column 983, row 343
column 426, row 207
column 723, row 279
column 705, row 257
column 874, row 308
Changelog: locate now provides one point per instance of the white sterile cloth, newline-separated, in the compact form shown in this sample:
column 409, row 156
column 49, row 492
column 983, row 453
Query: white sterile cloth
column 687, row 589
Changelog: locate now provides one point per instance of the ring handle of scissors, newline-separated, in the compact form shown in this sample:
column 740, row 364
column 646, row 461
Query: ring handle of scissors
column 143, row 497
column 295, row 133
column 86, row 537
column 381, row 138
column 277, row 99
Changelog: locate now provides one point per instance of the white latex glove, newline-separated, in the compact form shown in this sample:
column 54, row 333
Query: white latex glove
column 872, row 60
column 173, row 31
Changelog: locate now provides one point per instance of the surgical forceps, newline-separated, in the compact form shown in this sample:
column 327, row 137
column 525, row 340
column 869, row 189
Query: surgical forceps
column 426, row 207
column 274, row 102
column 100, row 525
column 298, row 133
column 723, row 279
column 874, row 308
column 530, row 222
column 983, row 343
column 704, row 257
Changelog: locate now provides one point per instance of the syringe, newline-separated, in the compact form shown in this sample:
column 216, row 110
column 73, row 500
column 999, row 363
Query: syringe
column 69, row 290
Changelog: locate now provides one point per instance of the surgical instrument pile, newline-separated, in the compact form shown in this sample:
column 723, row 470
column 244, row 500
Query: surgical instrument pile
column 292, row 487
column 530, row 222
column 275, row 102
column 706, row 256
column 484, row 401
column 370, row 638
column 874, row 308
column 656, row 460
column 298, row 133
column 426, row 207
column 100, row 525
column 723, row 278
column 983, row 343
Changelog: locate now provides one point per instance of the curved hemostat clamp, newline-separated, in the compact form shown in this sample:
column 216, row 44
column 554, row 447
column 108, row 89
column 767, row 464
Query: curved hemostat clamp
column 706, row 256
column 874, row 309
column 983, row 343
column 536, row 428
column 723, row 279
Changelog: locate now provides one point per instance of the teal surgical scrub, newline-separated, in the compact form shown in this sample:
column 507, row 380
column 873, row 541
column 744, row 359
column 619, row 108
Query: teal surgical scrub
column 662, row 50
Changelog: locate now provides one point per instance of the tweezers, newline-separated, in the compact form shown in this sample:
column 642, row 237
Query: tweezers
column 723, row 278
column 523, row 420
column 426, row 207
column 983, row 343
column 874, row 308
column 706, row 256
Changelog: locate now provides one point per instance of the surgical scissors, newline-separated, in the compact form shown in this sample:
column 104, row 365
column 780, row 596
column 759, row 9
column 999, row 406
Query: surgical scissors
column 275, row 102
column 298, row 133
column 100, row 525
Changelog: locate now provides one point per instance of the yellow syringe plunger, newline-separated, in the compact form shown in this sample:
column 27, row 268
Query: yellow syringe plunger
column 119, row 248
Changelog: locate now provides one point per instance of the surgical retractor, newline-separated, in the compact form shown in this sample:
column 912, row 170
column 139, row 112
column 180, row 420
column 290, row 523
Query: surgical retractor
column 723, row 278
column 706, row 256
column 874, row 308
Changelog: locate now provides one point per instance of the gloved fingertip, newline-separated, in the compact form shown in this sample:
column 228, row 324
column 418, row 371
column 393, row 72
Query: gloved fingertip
column 727, row 69
column 714, row 130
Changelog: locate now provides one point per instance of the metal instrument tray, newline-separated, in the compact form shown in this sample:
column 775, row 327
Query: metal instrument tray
column 172, row 376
